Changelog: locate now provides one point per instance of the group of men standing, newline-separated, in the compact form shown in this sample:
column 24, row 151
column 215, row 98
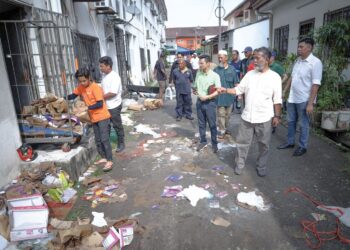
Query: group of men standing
column 257, row 80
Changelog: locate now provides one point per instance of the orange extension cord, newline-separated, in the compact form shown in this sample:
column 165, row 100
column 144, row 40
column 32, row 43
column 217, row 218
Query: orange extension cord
column 311, row 226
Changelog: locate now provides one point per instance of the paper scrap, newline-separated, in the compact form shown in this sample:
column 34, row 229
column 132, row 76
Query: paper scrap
column 98, row 219
column 219, row 221
column 194, row 194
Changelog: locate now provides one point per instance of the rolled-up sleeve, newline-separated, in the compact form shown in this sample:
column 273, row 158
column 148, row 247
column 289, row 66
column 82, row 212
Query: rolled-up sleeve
column 240, row 89
column 317, row 73
column 277, row 91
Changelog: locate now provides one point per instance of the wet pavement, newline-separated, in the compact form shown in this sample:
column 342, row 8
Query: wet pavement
column 174, row 224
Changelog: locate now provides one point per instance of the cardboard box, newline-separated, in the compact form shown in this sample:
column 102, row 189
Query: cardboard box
column 28, row 217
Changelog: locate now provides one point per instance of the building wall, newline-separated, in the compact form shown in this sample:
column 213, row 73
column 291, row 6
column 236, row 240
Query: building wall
column 292, row 13
column 9, row 133
column 255, row 35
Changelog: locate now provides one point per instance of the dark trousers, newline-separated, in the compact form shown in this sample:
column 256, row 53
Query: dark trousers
column 183, row 104
column 101, row 131
column 116, row 120
column 206, row 112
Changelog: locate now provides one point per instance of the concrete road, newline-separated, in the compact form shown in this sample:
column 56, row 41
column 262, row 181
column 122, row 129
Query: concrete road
column 175, row 224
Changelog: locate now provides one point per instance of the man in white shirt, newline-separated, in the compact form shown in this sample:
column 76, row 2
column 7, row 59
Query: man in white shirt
column 195, row 64
column 305, row 82
column 263, row 95
column 112, row 89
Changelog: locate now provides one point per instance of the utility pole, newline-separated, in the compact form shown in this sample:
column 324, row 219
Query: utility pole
column 219, row 24
column 219, row 15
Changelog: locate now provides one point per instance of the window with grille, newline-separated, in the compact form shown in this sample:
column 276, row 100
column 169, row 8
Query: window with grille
column 143, row 58
column 340, row 14
column 281, row 40
column 306, row 28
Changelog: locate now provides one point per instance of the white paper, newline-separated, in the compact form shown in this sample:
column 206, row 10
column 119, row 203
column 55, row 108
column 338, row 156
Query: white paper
column 194, row 194
column 252, row 199
column 68, row 194
column 98, row 219
column 145, row 129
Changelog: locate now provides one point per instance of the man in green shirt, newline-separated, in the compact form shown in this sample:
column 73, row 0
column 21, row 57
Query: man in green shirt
column 277, row 66
column 205, row 87
column 228, row 79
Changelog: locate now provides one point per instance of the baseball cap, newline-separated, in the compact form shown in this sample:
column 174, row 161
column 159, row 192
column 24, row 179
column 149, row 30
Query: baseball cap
column 247, row 49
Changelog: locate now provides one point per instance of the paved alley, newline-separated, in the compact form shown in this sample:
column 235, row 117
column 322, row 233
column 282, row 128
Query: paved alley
column 170, row 223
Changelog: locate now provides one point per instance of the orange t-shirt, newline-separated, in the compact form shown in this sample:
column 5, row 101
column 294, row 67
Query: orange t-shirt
column 92, row 94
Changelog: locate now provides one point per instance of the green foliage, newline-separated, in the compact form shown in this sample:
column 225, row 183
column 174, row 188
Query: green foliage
column 333, row 48
column 288, row 62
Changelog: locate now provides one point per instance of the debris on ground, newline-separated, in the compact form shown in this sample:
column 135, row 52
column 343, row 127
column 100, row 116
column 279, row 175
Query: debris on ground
column 225, row 146
column 152, row 104
column 98, row 219
column 194, row 194
column 103, row 190
column 171, row 191
column 319, row 217
column 221, row 194
column 253, row 200
column 174, row 177
column 146, row 129
column 219, row 221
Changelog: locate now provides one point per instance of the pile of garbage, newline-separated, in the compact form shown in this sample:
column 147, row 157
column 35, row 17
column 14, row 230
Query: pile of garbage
column 52, row 112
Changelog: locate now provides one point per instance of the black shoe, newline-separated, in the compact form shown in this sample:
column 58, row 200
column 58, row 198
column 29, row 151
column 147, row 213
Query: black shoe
column 299, row 151
column 238, row 171
column 189, row 118
column 285, row 145
column 201, row 146
column 120, row 147
column 261, row 172
column 178, row 118
column 215, row 149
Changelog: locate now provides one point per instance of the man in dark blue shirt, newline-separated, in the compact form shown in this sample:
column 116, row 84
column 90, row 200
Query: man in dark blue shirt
column 183, row 79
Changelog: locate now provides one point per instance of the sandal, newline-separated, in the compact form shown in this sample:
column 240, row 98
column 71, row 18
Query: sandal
column 108, row 166
column 100, row 161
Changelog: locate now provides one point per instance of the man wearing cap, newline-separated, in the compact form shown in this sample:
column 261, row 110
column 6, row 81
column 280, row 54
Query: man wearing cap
column 175, row 65
column 228, row 79
column 304, row 83
column 248, row 53
column 195, row 64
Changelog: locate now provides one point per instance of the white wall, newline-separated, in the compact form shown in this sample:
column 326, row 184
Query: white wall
column 290, row 12
column 255, row 35
column 9, row 132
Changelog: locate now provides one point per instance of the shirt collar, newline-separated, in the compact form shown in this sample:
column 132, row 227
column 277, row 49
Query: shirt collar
column 307, row 59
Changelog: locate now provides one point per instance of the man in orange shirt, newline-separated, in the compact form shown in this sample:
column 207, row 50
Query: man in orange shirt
column 92, row 95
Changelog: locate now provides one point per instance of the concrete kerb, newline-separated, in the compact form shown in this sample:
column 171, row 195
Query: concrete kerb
column 75, row 162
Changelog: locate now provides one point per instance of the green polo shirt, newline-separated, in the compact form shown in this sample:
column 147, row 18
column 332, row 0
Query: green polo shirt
column 204, row 80
column 278, row 68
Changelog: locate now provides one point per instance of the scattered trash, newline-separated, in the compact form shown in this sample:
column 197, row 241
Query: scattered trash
column 253, row 200
column 167, row 150
column 218, row 168
column 219, row 221
column 145, row 129
column 319, row 217
column 221, row 194
column 191, row 168
column 174, row 158
column 225, row 210
column 340, row 212
column 214, row 204
column 135, row 107
column 174, row 178
column 28, row 213
column 225, row 146
column 155, row 207
column 98, row 219
column 152, row 104
column 68, row 194
column 135, row 214
column 60, row 224
column 123, row 235
column 171, row 191
column 194, row 194
column 235, row 187
column 93, row 241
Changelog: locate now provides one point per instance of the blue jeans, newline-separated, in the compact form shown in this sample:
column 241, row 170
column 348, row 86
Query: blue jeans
column 206, row 112
column 296, row 112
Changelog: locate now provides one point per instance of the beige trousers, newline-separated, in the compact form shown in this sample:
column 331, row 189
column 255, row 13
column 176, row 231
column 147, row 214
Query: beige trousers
column 223, row 117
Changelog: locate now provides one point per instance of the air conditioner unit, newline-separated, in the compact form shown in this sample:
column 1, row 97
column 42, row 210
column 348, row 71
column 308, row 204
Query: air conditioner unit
column 106, row 7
